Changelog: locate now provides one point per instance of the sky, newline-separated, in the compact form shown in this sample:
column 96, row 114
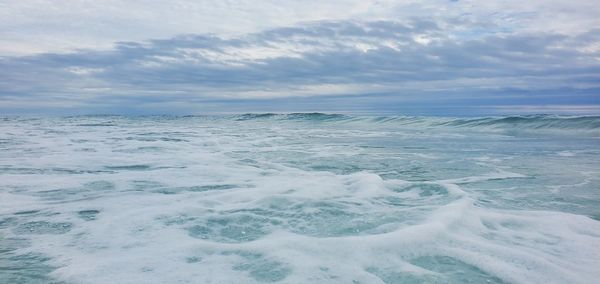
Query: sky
column 69, row 57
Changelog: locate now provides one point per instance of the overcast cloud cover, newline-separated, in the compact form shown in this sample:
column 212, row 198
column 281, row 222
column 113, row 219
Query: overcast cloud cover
column 403, row 57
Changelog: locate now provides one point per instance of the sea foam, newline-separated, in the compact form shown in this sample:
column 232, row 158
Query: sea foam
column 299, row 198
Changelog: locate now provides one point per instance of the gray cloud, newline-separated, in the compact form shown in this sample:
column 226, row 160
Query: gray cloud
column 419, row 61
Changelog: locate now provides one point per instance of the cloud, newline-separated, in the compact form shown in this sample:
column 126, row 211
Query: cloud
column 418, row 61
column 42, row 26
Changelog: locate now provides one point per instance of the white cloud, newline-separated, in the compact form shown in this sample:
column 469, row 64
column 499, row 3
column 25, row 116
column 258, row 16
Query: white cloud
column 33, row 26
column 84, row 71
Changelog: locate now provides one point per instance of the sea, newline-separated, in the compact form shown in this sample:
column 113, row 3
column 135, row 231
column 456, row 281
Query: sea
column 300, row 198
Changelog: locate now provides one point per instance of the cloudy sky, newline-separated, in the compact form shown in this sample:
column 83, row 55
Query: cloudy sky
column 401, row 57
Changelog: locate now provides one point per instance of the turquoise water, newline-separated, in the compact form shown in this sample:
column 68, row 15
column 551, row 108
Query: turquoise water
column 299, row 198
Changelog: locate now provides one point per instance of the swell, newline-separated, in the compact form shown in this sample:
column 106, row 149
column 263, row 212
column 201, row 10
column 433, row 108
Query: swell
column 547, row 123
column 532, row 121
column 537, row 124
column 313, row 116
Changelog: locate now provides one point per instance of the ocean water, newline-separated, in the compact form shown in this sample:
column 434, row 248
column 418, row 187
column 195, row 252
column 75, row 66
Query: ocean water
column 300, row 198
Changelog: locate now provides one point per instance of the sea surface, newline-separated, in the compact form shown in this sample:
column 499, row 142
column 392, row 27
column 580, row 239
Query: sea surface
column 300, row 198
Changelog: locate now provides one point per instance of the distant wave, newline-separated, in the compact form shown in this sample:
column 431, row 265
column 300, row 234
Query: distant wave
column 315, row 116
column 533, row 121
column 534, row 124
column 549, row 124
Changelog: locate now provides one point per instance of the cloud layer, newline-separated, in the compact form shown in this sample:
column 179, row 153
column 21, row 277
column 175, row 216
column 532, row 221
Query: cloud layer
column 402, row 65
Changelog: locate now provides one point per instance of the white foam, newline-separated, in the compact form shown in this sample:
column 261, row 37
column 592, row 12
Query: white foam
column 308, row 226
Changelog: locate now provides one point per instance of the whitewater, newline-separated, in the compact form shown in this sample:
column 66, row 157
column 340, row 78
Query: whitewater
column 300, row 198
